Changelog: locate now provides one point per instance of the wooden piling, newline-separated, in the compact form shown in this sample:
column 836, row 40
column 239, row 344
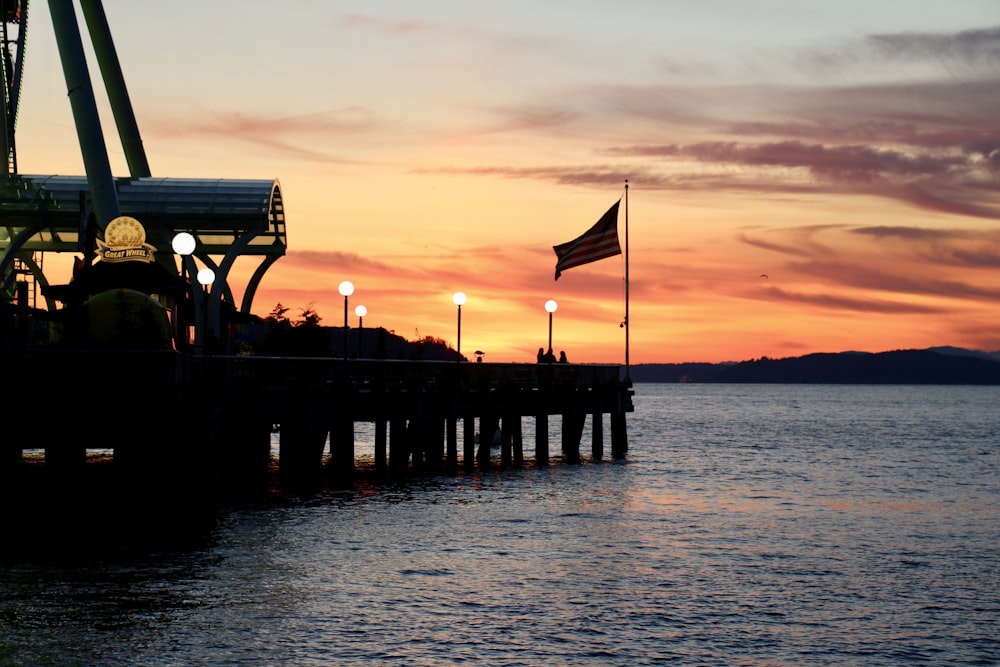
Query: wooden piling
column 451, row 437
column 572, row 431
column 506, row 441
column 619, row 439
column 542, row 439
column 468, row 442
column 517, row 441
column 301, row 446
column 381, row 441
column 342, row 443
column 597, row 436
column 242, row 458
column 488, row 425
column 431, row 440
column 399, row 454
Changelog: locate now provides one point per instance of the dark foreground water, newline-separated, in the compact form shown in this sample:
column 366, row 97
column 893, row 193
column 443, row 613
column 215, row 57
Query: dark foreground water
column 750, row 525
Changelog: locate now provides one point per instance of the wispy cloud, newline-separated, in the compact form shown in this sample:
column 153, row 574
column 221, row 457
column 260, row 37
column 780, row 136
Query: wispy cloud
column 295, row 135
column 324, row 261
column 973, row 48
column 927, row 269
column 943, row 179
column 952, row 247
column 444, row 32
column 840, row 302
column 967, row 53
column 795, row 242
column 931, row 143
column 872, row 278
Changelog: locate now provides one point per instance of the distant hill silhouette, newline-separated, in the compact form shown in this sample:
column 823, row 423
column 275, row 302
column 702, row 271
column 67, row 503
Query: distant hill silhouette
column 941, row 365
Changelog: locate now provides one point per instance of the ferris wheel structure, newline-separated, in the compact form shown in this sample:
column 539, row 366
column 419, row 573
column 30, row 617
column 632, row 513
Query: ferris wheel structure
column 230, row 218
column 13, row 34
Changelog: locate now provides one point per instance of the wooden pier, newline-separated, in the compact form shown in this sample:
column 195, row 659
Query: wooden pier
column 190, row 435
column 219, row 412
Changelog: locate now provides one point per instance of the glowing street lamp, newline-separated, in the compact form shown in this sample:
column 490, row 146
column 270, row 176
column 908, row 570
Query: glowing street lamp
column 360, row 311
column 183, row 244
column 459, row 299
column 206, row 277
column 346, row 288
column 551, row 306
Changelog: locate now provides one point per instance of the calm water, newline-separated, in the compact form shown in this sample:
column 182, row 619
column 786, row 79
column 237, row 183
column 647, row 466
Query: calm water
column 750, row 525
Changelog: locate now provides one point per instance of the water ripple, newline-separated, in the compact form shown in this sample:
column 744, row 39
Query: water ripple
column 749, row 526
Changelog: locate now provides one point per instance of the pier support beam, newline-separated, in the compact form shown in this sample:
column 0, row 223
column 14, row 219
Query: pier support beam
column 597, row 439
column 572, row 431
column 342, row 443
column 66, row 455
column 339, row 408
column 65, row 446
column 427, row 442
column 302, row 440
column 399, row 452
column 468, row 442
column 300, row 452
column 517, row 440
column 542, row 439
column 451, row 437
column 381, row 442
column 506, row 441
column 488, row 424
column 619, row 439
column 244, row 447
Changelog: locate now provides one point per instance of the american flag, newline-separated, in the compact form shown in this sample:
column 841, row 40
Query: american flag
column 596, row 243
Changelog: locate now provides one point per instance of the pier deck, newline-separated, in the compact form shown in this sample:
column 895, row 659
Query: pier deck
column 154, row 406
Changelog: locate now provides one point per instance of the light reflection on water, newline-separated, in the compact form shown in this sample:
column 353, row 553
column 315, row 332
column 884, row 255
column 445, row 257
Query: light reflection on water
column 764, row 525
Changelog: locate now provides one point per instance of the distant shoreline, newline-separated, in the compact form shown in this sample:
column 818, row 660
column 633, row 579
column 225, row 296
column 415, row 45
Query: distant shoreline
column 944, row 365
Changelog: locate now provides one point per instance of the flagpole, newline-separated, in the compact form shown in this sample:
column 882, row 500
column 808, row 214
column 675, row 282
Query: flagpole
column 628, row 374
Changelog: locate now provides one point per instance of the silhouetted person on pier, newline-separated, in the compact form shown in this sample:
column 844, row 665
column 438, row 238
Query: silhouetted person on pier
column 541, row 355
column 547, row 358
column 562, row 357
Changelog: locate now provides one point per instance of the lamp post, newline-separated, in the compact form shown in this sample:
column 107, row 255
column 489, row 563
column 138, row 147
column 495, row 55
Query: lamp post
column 206, row 277
column 360, row 311
column 459, row 299
column 183, row 245
column 346, row 288
column 551, row 307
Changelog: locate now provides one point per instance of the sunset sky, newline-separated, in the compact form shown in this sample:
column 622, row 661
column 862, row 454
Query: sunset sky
column 803, row 176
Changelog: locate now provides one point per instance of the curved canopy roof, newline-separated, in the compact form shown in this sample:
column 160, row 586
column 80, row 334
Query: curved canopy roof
column 217, row 211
